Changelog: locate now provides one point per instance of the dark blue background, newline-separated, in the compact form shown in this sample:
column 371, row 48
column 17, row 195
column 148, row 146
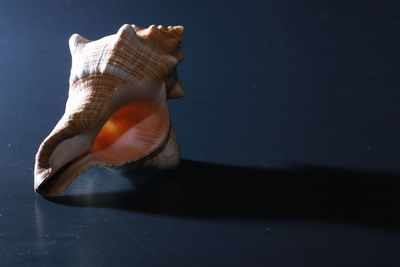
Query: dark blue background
column 288, row 130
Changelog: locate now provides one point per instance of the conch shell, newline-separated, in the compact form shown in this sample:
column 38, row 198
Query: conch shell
column 116, row 113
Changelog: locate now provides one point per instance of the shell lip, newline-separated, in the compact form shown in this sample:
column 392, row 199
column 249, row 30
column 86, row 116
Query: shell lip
column 48, row 185
column 50, row 182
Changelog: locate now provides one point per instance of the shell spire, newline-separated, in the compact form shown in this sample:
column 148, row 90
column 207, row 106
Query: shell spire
column 116, row 113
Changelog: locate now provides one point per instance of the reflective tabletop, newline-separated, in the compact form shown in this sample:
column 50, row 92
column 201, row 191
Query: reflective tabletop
column 288, row 130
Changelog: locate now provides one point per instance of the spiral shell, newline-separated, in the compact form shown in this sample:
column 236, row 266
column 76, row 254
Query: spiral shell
column 116, row 113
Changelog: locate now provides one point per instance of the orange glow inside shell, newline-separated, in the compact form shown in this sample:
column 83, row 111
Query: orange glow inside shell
column 131, row 133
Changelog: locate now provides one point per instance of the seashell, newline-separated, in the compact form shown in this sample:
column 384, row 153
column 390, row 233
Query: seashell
column 116, row 114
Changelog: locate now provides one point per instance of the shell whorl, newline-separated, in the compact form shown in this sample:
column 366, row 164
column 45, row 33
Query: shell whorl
column 115, row 60
column 125, row 56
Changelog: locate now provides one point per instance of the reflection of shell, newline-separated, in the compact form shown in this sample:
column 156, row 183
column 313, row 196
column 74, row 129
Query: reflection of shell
column 116, row 111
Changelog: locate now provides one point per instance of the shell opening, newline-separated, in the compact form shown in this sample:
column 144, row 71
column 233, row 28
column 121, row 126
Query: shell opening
column 131, row 133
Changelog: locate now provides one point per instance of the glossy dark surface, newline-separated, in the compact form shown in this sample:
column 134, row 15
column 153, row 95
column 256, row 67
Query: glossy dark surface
column 289, row 135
